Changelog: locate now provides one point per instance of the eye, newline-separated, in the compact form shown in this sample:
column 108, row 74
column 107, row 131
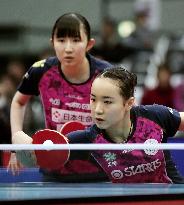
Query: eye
column 60, row 39
column 76, row 39
column 107, row 102
column 92, row 99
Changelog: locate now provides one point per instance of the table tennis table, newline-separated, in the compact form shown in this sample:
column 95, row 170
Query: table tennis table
column 90, row 193
column 28, row 188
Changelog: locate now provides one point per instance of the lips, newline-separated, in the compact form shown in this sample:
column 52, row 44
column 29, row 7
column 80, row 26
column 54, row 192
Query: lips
column 99, row 120
column 68, row 58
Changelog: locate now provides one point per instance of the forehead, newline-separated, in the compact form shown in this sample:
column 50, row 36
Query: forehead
column 69, row 29
column 105, row 87
column 81, row 34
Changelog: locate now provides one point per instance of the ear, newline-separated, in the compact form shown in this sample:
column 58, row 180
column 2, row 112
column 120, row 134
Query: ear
column 130, row 103
column 52, row 42
column 91, row 43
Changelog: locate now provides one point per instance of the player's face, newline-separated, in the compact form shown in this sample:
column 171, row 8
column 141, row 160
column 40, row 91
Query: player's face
column 108, row 107
column 71, row 51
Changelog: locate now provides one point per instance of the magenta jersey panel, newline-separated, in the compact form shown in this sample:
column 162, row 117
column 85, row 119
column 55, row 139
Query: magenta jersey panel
column 135, row 166
column 64, row 101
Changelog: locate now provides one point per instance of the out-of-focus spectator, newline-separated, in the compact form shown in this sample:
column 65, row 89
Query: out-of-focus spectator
column 110, row 47
column 16, row 69
column 163, row 93
column 7, row 90
column 142, row 37
column 179, row 97
column 5, row 133
column 147, row 16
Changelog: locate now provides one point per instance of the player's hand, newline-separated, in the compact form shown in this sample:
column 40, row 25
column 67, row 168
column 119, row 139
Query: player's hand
column 14, row 165
column 21, row 138
column 27, row 158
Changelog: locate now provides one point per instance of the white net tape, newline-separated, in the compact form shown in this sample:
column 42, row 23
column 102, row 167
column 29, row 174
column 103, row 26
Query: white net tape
column 132, row 146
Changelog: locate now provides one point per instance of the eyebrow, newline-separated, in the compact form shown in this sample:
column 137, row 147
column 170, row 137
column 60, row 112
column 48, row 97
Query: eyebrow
column 68, row 37
column 105, row 97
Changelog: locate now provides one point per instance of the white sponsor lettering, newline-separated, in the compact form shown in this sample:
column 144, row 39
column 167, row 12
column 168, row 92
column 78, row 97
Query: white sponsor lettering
column 147, row 151
column 78, row 105
column 75, row 97
column 133, row 170
column 127, row 150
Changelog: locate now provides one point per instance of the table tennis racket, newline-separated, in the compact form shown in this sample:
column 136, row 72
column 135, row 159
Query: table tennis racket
column 71, row 126
column 50, row 159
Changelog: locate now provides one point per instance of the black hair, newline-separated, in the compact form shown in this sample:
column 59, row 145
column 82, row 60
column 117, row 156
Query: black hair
column 69, row 25
column 126, row 80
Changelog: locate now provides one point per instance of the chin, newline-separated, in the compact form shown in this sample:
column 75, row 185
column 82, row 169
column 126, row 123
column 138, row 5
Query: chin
column 101, row 126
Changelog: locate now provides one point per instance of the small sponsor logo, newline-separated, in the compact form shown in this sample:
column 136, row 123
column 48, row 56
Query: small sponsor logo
column 54, row 101
column 117, row 174
column 151, row 151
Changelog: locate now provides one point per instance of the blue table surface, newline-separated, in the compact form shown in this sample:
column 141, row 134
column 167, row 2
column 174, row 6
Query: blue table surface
column 40, row 191
column 15, row 188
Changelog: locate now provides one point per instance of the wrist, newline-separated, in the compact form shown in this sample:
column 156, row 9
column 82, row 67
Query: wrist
column 20, row 137
column 16, row 136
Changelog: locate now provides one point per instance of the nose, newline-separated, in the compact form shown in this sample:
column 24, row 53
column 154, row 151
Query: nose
column 68, row 46
column 99, row 109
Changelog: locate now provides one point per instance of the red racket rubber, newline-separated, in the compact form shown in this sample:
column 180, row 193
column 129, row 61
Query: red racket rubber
column 50, row 159
column 71, row 126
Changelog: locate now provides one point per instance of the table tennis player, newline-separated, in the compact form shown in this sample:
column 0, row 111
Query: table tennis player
column 118, row 120
column 63, row 82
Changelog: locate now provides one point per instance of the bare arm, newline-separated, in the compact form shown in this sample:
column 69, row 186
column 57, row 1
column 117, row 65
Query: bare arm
column 17, row 113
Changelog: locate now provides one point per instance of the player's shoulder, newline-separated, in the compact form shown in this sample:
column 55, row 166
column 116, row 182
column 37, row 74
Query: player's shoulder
column 39, row 63
column 154, row 111
column 99, row 64
column 44, row 63
column 83, row 136
column 155, row 108
column 40, row 67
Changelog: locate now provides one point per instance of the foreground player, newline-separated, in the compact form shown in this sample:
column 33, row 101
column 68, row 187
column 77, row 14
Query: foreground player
column 118, row 120
column 63, row 82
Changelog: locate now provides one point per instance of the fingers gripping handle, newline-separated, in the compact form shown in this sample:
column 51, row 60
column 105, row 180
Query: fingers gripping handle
column 27, row 158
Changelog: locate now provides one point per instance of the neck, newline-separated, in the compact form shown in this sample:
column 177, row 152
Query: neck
column 121, row 134
column 77, row 74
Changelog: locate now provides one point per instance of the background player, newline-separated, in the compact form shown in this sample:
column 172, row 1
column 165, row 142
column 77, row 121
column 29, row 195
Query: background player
column 63, row 82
